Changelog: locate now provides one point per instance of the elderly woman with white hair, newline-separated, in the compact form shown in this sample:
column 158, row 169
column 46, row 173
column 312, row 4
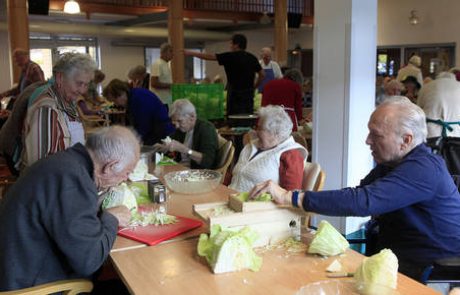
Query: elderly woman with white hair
column 195, row 140
column 52, row 123
column 273, row 155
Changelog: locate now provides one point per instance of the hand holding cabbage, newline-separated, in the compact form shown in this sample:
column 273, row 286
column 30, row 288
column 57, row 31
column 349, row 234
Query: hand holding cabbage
column 279, row 195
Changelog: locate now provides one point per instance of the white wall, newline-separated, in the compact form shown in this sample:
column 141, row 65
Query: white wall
column 117, row 60
column 439, row 21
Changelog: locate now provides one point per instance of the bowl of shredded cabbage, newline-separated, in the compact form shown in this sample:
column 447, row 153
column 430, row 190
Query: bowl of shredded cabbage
column 193, row 181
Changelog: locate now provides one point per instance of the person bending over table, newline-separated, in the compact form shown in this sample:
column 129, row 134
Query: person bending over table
column 195, row 140
column 50, row 222
column 145, row 111
column 272, row 155
column 410, row 191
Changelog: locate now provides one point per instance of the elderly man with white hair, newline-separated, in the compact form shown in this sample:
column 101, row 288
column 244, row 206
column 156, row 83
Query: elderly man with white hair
column 51, row 224
column 272, row 155
column 440, row 100
column 195, row 140
column 410, row 191
column 270, row 67
column 412, row 69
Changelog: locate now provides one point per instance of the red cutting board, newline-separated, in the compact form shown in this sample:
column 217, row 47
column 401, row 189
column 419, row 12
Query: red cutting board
column 154, row 234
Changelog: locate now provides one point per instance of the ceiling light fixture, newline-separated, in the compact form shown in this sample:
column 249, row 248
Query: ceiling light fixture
column 72, row 7
column 413, row 19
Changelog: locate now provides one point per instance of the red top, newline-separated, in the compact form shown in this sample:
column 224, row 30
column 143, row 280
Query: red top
column 291, row 169
column 287, row 93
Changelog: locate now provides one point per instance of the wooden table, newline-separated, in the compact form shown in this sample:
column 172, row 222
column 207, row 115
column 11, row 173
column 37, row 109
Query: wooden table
column 175, row 268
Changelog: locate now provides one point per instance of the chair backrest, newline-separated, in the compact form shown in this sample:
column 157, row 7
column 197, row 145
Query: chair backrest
column 313, row 177
column 224, row 158
column 67, row 287
column 300, row 139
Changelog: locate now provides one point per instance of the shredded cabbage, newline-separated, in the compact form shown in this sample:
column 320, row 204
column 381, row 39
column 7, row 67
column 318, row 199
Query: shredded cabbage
column 227, row 250
column 120, row 195
column 152, row 217
column 376, row 271
column 328, row 241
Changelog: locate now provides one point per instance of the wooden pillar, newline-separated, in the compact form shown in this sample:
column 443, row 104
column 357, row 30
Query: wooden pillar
column 281, row 32
column 18, row 30
column 176, row 39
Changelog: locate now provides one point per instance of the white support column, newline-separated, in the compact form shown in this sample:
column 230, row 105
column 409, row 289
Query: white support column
column 345, row 42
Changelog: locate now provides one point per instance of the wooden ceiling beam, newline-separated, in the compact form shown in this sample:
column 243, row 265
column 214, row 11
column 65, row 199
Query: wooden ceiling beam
column 191, row 14
column 110, row 9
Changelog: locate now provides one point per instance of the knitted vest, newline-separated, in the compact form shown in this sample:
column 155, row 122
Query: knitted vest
column 247, row 173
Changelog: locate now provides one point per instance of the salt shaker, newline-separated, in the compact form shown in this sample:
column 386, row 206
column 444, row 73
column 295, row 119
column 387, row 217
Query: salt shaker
column 158, row 195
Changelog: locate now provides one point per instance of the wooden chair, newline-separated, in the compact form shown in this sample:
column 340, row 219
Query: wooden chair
column 313, row 180
column 225, row 156
column 90, row 123
column 313, row 177
column 67, row 287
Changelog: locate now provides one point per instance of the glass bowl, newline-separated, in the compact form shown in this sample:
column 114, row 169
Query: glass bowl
column 193, row 181
column 340, row 287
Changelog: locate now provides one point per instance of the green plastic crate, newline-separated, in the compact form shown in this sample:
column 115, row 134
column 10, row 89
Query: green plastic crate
column 208, row 99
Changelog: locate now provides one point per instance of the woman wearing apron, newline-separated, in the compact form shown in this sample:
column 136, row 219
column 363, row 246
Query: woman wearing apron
column 286, row 92
column 52, row 123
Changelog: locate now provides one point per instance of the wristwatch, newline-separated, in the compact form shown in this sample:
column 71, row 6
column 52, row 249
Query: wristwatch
column 190, row 152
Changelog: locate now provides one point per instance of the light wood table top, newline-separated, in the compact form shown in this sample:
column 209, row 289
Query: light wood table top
column 175, row 268
column 180, row 205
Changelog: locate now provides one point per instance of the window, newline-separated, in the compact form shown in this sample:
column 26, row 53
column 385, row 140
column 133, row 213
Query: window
column 46, row 50
column 194, row 67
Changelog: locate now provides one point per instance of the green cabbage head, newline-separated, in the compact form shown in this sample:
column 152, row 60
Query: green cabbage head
column 377, row 272
column 227, row 250
column 120, row 195
column 328, row 241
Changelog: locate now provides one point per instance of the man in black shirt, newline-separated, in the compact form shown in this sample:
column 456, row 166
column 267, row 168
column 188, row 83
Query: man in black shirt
column 240, row 67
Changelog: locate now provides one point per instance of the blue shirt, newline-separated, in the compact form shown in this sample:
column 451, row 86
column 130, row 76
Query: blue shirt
column 148, row 115
column 417, row 202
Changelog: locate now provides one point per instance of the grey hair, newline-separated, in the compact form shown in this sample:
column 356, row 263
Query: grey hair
column 266, row 50
column 393, row 84
column 294, row 75
column 115, row 143
column 72, row 62
column 181, row 108
column 275, row 120
column 137, row 73
column 410, row 118
column 165, row 47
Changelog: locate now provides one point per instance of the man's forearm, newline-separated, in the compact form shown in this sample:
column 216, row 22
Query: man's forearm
column 201, row 55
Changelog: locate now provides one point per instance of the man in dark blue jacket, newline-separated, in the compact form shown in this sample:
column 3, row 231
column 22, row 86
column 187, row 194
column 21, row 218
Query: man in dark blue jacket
column 410, row 190
column 51, row 227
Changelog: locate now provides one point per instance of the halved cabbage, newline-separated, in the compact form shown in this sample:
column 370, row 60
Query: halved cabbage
column 227, row 250
column 244, row 197
column 378, row 270
column 120, row 195
column 328, row 241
